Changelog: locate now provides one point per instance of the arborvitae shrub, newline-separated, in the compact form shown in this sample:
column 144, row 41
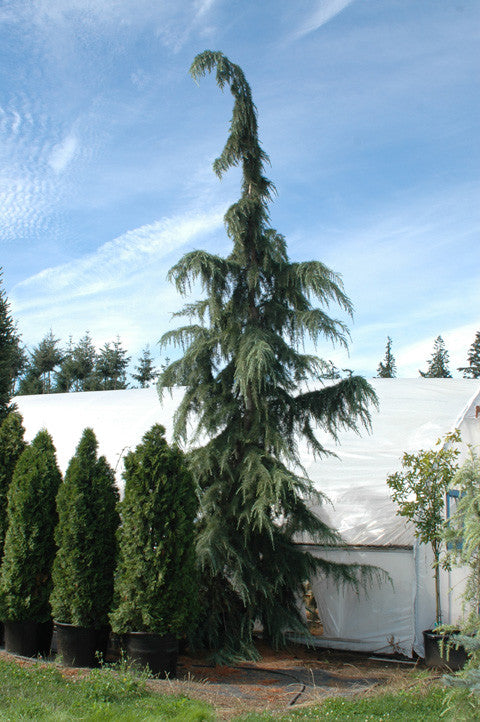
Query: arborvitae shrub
column 11, row 446
column 26, row 576
column 86, row 538
column 155, row 588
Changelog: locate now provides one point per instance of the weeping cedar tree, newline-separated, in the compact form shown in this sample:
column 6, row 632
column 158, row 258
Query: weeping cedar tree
column 11, row 447
column 26, row 575
column 243, row 369
column 86, row 538
column 155, row 589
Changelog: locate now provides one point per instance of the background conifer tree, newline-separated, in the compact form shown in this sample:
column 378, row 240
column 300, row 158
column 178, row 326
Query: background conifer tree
column 472, row 371
column 155, row 586
column 45, row 358
column 10, row 353
column 245, row 385
column 146, row 373
column 387, row 369
column 86, row 539
column 111, row 366
column 438, row 364
column 77, row 368
column 11, row 446
column 26, row 574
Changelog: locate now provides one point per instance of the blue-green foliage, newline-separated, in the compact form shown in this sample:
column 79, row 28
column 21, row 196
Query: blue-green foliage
column 253, row 393
column 26, row 575
column 156, row 587
column 86, row 539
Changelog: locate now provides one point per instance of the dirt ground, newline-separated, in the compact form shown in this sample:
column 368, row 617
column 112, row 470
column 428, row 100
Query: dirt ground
column 281, row 681
column 291, row 678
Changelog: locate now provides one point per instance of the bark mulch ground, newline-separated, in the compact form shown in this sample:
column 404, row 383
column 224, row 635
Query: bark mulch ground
column 290, row 678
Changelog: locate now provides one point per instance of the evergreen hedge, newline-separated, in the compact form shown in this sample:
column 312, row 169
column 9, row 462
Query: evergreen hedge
column 26, row 579
column 11, row 446
column 155, row 588
column 86, row 538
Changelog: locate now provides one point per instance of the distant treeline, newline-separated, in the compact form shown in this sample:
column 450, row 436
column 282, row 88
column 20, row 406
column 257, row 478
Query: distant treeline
column 438, row 364
column 50, row 367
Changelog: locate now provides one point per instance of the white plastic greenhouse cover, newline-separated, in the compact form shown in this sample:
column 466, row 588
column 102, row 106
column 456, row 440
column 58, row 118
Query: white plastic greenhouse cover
column 412, row 414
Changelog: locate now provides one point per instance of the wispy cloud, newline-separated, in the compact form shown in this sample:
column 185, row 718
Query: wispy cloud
column 35, row 150
column 325, row 11
column 63, row 153
column 71, row 20
column 114, row 262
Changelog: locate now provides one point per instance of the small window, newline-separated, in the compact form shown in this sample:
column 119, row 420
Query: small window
column 453, row 495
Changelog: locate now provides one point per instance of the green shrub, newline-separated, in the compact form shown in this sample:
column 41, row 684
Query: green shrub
column 26, row 576
column 11, row 446
column 155, row 586
column 86, row 538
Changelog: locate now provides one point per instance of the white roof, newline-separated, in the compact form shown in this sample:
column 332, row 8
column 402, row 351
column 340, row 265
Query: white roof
column 412, row 414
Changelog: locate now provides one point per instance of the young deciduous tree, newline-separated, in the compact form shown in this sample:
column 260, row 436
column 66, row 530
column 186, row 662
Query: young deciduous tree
column 11, row 447
column 387, row 369
column 26, row 574
column 86, row 539
column 245, row 379
column 419, row 490
column 9, row 353
column 472, row 371
column 146, row 372
column 438, row 364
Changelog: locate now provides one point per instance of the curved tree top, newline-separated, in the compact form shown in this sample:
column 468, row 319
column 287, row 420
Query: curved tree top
column 245, row 346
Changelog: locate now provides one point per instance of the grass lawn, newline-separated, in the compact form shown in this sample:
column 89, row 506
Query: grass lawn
column 399, row 707
column 41, row 692
column 35, row 691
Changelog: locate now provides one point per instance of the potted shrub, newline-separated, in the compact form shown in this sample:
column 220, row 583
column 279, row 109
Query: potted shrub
column 462, row 536
column 155, row 587
column 11, row 446
column 85, row 562
column 419, row 491
column 26, row 574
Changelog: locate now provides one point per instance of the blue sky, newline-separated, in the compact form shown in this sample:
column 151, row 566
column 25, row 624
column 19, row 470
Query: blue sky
column 368, row 110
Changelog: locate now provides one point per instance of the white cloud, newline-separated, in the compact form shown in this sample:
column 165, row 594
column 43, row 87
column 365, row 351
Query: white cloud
column 63, row 22
column 325, row 11
column 63, row 153
column 112, row 265
column 414, row 357
column 119, row 289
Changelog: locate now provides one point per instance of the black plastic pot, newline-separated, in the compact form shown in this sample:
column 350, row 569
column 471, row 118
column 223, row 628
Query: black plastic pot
column 28, row 639
column 157, row 652
column 80, row 646
column 439, row 653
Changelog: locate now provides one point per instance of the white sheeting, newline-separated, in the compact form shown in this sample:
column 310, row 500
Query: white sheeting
column 377, row 620
column 413, row 414
column 119, row 419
